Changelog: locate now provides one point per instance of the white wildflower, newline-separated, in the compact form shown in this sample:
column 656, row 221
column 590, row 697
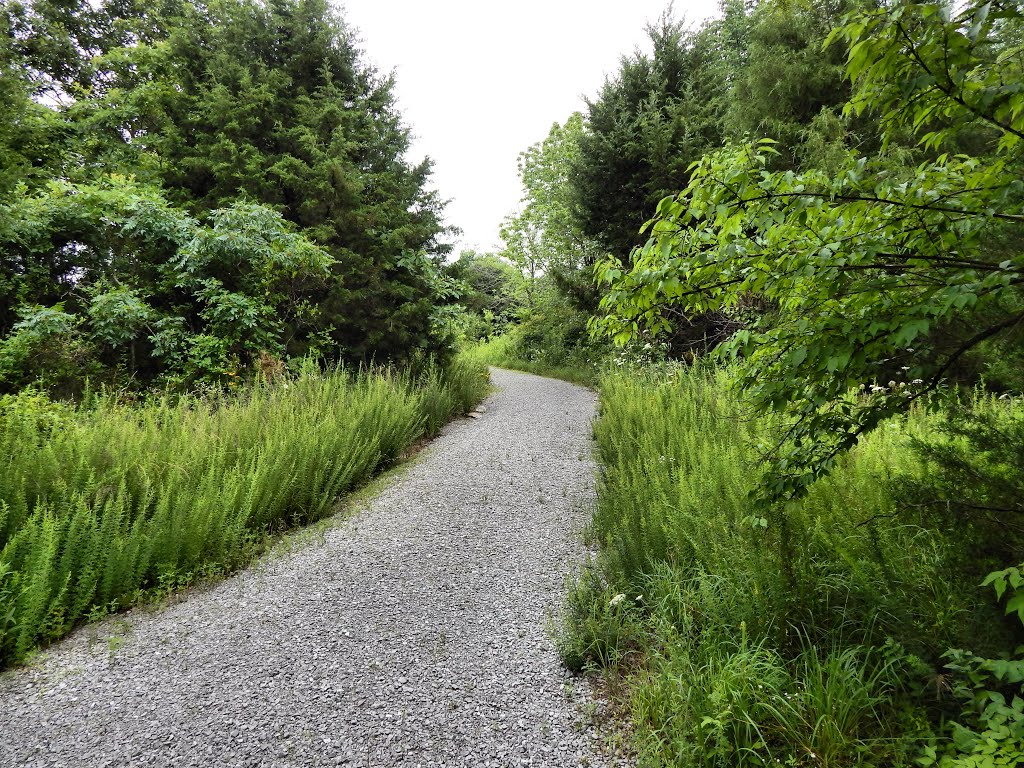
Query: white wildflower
column 616, row 600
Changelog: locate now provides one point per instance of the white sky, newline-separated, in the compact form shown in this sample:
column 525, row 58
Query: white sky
column 479, row 82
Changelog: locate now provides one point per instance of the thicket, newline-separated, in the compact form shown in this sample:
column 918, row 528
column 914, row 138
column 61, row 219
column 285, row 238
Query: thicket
column 188, row 188
column 857, row 632
column 551, row 340
column 890, row 265
column 196, row 197
column 490, row 292
column 104, row 502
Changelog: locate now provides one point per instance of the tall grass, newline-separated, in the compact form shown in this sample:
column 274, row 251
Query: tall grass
column 808, row 635
column 102, row 502
column 506, row 352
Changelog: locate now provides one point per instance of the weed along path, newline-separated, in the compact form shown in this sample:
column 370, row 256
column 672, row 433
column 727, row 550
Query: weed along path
column 414, row 633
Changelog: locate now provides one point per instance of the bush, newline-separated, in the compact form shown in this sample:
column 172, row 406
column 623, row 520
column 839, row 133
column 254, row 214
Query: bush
column 553, row 341
column 820, row 626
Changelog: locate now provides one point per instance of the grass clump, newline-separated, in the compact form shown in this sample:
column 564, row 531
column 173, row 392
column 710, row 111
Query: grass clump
column 103, row 502
column 815, row 634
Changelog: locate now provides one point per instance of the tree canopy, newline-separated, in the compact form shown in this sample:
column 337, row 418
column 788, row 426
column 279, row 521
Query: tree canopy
column 862, row 288
column 136, row 140
column 648, row 123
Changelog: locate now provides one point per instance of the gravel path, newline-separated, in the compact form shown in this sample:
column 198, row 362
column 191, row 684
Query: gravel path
column 413, row 634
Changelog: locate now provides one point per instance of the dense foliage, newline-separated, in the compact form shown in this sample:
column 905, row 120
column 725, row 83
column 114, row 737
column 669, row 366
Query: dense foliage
column 648, row 123
column 491, row 291
column 589, row 187
column 872, row 273
column 857, row 633
column 190, row 188
column 203, row 205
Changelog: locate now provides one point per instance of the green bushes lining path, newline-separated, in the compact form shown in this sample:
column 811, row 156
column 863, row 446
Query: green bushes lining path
column 815, row 635
column 506, row 352
column 102, row 502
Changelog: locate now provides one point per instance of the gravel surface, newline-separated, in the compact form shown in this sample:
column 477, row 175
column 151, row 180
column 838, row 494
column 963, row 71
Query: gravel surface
column 415, row 633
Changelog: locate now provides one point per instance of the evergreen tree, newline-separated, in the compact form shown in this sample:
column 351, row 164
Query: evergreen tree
column 277, row 106
column 652, row 120
column 233, row 100
column 789, row 86
column 188, row 186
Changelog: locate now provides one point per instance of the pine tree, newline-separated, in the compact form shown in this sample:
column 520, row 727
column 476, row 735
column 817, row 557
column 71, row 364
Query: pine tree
column 278, row 106
column 648, row 124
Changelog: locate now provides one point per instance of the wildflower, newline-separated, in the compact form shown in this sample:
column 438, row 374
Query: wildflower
column 917, row 381
column 616, row 600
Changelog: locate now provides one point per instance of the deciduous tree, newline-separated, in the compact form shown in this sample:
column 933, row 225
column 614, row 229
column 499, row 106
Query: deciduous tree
column 882, row 278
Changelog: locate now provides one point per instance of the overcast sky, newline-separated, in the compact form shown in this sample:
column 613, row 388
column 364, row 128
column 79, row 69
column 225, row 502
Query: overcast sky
column 479, row 82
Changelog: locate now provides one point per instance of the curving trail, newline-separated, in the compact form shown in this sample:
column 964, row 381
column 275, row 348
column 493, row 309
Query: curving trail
column 414, row 634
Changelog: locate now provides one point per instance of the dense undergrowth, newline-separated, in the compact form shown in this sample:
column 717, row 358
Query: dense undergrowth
column 107, row 501
column 505, row 352
column 815, row 635
column 551, row 341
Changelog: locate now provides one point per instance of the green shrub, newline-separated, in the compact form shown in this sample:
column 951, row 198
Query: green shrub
column 552, row 339
column 770, row 635
column 990, row 728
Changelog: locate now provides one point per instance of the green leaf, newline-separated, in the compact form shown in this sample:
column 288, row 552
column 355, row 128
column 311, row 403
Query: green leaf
column 1016, row 605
